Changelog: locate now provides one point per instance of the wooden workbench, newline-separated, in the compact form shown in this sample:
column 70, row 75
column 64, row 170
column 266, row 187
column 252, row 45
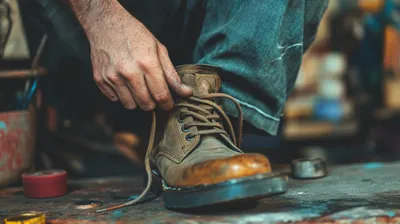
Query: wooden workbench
column 362, row 193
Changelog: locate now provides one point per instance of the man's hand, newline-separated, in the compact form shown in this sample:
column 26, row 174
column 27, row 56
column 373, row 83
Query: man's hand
column 129, row 63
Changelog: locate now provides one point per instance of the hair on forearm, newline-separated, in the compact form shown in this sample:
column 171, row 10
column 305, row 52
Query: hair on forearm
column 87, row 11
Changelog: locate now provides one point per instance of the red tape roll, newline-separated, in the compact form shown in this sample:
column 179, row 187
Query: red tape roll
column 45, row 184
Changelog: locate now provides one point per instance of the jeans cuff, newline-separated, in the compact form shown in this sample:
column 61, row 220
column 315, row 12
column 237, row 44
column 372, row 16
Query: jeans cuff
column 252, row 115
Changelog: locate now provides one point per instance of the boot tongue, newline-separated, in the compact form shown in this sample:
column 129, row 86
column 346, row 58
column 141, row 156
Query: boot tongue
column 202, row 79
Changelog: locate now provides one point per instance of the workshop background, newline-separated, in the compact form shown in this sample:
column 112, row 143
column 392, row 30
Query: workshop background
column 345, row 107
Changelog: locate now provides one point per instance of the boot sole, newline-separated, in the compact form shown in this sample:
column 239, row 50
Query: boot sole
column 242, row 189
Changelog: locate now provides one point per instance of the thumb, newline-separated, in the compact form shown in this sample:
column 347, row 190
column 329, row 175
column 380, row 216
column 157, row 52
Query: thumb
column 171, row 76
column 180, row 88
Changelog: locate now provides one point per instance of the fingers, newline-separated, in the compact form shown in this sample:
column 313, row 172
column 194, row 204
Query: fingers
column 171, row 75
column 98, row 76
column 155, row 80
column 122, row 90
column 106, row 90
column 142, row 83
column 137, row 84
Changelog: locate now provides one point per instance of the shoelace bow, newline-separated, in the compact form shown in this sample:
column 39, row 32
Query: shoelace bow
column 203, row 116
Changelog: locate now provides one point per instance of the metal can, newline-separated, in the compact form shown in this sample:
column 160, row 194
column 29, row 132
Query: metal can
column 309, row 168
column 17, row 140
column 45, row 184
column 26, row 218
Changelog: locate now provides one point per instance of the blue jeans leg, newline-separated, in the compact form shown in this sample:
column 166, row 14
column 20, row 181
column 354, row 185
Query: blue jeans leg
column 259, row 44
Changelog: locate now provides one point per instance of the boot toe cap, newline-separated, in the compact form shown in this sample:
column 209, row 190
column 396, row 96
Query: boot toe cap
column 220, row 170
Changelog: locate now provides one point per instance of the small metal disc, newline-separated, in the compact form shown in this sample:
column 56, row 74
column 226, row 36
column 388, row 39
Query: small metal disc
column 86, row 204
column 308, row 168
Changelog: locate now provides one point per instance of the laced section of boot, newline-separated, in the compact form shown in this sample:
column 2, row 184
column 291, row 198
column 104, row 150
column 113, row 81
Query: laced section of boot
column 205, row 116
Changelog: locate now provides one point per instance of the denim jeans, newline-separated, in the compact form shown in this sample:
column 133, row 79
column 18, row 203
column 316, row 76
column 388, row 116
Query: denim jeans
column 258, row 43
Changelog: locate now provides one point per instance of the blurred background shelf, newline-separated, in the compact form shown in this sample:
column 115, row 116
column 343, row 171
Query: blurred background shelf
column 323, row 130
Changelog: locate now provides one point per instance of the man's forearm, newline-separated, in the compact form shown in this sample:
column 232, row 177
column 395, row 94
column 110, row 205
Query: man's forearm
column 91, row 11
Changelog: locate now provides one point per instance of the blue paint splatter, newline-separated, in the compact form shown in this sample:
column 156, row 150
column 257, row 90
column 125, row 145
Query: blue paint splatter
column 314, row 209
column 3, row 125
column 391, row 214
column 117, row 214
column 372, row 166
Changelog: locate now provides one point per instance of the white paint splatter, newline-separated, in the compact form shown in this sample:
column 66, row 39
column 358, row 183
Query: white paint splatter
column 362, row 212
column 285, row 49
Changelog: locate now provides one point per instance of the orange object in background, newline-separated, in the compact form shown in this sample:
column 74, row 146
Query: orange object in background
column 372, row 6
column 392, row 68
column 129, row 145
column 392, row 51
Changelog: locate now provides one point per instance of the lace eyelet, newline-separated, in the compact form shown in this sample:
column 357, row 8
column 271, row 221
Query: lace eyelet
column 184, row 128
column 189, row 137
column 180, row 118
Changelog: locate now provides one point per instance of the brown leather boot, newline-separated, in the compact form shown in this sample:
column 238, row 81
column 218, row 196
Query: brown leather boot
column 197, row 151
column 198, row 148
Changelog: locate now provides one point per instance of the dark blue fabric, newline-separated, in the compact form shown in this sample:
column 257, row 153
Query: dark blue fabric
column 258, row 43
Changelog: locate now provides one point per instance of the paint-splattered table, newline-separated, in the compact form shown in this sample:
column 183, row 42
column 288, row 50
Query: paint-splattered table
column 349, row 194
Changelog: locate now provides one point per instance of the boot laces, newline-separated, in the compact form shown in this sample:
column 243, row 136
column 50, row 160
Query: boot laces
column 207, row 117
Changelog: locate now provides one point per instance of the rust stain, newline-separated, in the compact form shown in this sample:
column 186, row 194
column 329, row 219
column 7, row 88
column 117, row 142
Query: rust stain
column 11, row 140
column 8, row 192
column 10, row 157
column 16, row 143
column 23, row 73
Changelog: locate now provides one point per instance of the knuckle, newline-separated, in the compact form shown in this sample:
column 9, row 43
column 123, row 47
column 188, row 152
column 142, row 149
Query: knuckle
column 114, row 78
column 171, row 72
column 132, row 78
column 162, row 97
column 122, row 64
column 112, row 98
column 124, row 67
column 163, row 49
column 98, row 79
column 105, row 93
column 135, row 84
column 148, row 62
column 110, row 95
